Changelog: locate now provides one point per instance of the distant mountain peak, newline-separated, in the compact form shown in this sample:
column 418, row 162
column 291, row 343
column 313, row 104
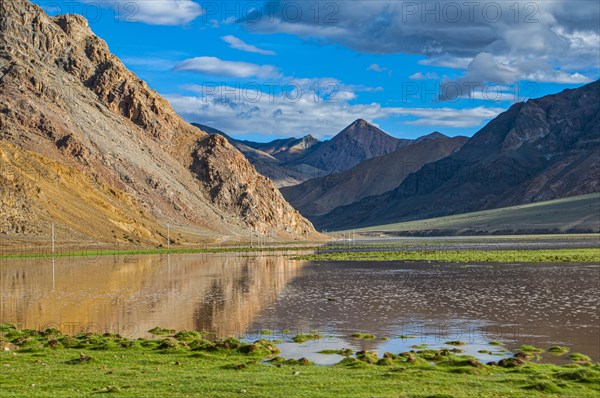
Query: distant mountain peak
column 432, row 136
column 360, row 127
column 309, row 139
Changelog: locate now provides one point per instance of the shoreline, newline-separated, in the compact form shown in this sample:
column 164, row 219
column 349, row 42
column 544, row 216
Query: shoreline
column 421, row 245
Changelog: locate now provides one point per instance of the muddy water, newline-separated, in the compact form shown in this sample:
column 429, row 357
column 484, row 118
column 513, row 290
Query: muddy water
column 241, row 295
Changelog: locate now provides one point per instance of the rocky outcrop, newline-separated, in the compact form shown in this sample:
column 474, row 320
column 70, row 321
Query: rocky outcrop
column 250, row 196
column 66, row 100
column 274, row 159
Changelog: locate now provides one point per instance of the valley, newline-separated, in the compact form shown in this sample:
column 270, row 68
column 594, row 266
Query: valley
column 170, row 228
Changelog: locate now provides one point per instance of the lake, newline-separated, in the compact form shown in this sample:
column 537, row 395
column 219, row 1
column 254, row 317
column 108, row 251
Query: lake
column 266, row 295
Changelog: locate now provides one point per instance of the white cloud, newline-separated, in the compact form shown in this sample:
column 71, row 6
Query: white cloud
column 153, row 12
column 379, row 69
column 549, row 41
column 244, row 109
column 485, row 68
column 448, row 117
column 423, row 76
column 217, row 67
column 447, row 61
column 238, row 44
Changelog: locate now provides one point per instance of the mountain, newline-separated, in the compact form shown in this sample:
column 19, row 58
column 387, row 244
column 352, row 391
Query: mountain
column 542, row 149
column 87, row 145
column 291, row 161
column 287, row 149
column 271, row 159
column 357, row 142
column 374, row 176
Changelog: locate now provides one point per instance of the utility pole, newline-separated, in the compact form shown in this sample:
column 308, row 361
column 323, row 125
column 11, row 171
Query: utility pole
column 53, row 274
column 168, row 236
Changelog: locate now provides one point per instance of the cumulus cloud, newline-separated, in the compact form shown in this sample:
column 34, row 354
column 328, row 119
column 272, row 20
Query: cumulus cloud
column 153, row 12
column 423, row 76
column 242, row 109
column 486, row 68
column 238, row 44
column 448, row 117
column 379, row 69
column 217, row 67
column 550, row 41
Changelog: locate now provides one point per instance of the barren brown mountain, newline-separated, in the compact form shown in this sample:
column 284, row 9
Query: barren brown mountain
column 357, row 142
column 86, row 144
column 374, row 176
column 542, row 149
column 274, row 159
column 291, row 161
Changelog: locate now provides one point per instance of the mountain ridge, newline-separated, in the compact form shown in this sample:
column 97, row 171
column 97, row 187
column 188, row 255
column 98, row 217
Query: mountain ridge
column 542, row 149
column 373, row 176
column 291, row 161
column 357, row 142
column 67, row 100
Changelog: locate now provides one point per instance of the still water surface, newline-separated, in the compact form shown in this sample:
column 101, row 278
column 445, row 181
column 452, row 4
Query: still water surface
column 241, row 295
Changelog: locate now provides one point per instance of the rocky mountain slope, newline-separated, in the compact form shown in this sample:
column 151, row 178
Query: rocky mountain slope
column 374, row 176
column 272, row 159
column 542, row 149
column 291, row 161
column 86, row 144
column 357, row 142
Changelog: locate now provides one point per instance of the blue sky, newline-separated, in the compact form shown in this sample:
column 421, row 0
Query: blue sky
column 266, row 70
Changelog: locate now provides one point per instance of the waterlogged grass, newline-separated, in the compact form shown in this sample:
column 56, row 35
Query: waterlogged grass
column 303, row 338
column 145, row 251
column 360, row 335
column 183, row 364
column 559, row 350
column 460, row 256
column 578, row 357
column 455, row 342
column 530, row 348
column 346, row 352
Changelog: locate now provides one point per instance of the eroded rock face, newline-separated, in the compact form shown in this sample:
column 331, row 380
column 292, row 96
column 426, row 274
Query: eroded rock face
column 250, row 195
column 65, row 98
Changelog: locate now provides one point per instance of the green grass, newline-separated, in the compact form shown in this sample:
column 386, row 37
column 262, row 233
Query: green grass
column 344, row 352
column 360, row 335
column 559, row 350
column 143, row 251
column 51, row 364
column 578, row 357
column 461, row 256
column 530, row 348
column 455, row 342
column 554, row 216
column 303, row 338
